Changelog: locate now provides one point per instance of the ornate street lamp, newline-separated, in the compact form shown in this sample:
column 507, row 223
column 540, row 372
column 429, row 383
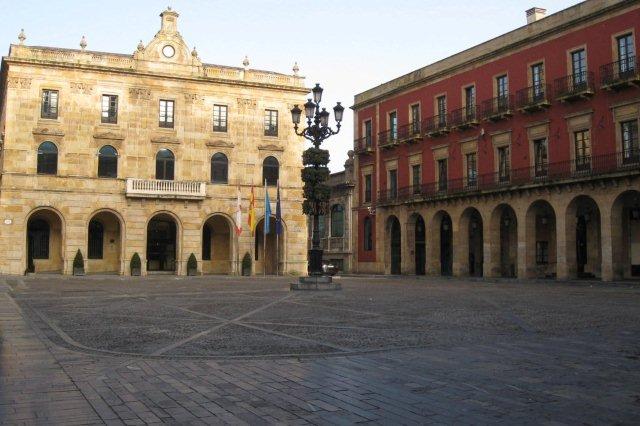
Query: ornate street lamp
column 316, row 172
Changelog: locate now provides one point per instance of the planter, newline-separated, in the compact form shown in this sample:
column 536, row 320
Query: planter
column 192, row 272
column 78, row 272
column 135, row 272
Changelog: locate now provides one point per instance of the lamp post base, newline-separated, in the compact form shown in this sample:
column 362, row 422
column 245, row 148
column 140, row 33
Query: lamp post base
column 315, row 282
column 315, row 262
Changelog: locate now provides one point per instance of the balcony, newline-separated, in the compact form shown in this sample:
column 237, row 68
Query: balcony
column 435, row 126
column 410, row 133
column 388, row 139
column 335, row 244
column 579, row 169
column 364, row 145
column 498, row 108
column 574, row 87
column 464, row 118
column 153, row 188
column 620, row 74
column 533, row 98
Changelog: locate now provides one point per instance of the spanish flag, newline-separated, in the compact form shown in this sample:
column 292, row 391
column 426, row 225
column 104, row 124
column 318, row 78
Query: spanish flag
column 252, row 212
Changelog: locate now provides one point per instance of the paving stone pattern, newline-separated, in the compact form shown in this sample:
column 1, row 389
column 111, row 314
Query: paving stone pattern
column 220, row 350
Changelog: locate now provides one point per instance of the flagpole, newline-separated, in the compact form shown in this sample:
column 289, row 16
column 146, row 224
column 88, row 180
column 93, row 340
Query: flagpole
column 277, row 234
column 264, row 234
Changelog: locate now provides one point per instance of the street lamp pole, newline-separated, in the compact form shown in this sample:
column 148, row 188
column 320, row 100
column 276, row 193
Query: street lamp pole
column 316, row 172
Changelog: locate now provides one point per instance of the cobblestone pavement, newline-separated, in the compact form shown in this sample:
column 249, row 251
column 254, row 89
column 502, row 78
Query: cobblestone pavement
column 209, row 350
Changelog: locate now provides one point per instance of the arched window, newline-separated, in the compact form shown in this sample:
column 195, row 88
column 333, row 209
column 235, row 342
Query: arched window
column 38, row 230
column 96, row 239
column 47, row 158
column 337, row 220
column 368, row 237
column 219, row 168
column 270, row 170
column 108, row 162
column 165, row 164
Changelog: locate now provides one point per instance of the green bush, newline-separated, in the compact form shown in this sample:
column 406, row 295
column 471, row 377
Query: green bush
column 192, row 263
column 246, row 264
column 78, row 261
column 315, row 156
column 135, row 261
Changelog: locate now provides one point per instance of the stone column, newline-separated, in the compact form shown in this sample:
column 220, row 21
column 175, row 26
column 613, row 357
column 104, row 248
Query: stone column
column 606, row 240
column 522, row 247
column 562, row 252
column 490, row 269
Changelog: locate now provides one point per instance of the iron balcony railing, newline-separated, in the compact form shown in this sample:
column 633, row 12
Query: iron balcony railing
column 580, row 168
column 436, row 125
column 388, row 138
column 533, row 98
column 497, row 108
column 410, row 132
column 576, row 85
column 364, row 144
column 464, row 117
column 619, row 73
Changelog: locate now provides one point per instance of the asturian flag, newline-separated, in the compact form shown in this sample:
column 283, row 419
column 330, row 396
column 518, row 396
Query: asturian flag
column 238, row 215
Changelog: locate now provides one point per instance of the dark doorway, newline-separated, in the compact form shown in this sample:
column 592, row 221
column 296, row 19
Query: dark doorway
column 420, row 247
column 161, row 245
column 446, row 246
column 581, row 245
column 396, row 247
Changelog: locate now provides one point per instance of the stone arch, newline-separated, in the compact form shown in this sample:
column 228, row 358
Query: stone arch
column 163, row 242
column 219, row 229
column 440, row 258
column 583, row 238
column 112, row 260
column 276, row 248
column 541, row 240
column 625, row 235
column 45, row 244
column 504, row 241
column 393, row 246
column 416, row 243
column 471, row 243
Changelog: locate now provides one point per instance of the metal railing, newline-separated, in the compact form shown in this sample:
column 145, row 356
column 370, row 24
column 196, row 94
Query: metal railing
column 497, row 108
column 364, row 144
column 409, row 132
column 620, row 72
column 436, row 125
column 579, row 168
column 464, row 117
column 533, row 97
column 575, row 85
column 387, row 138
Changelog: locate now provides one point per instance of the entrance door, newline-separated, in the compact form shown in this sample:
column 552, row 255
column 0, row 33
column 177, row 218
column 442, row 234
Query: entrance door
column 446, row 247
column 420, row 248
column 581, row 244
column 395, row 247
column 161, row 245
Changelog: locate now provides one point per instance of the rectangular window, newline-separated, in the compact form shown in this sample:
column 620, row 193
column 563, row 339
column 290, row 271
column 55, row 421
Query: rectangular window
column 470, row 102
column 537, row 81
column 630, row 148
column 582, row 145
column 367, row 188
column 579, row 66
column 219, row 118
column 270, row 122
column 441, row 105
column 110, row 109
column 541, row 160
column 393, row 183
column 626, row 53
column 49, row 108
column 415, row 118
column 368, row 133
column 416, row 178
column 503, row 164
column 442, row 175
column 472, row 169
column 166, row 114
column 542, row 252
column 393, row 125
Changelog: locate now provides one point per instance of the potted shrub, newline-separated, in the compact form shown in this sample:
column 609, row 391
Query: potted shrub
column 192, row 265
column 246, row 265
column 78, row 264
column 135, row 265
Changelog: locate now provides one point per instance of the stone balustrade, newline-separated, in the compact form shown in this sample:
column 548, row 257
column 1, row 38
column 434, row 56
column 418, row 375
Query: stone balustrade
column 155, row 188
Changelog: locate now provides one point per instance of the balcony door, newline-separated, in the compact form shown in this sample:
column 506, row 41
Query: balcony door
column 165, row 165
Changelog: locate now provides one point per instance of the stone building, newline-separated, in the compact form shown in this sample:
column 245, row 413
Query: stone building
column 336, row 227
column 116, row 154
column 518, row 157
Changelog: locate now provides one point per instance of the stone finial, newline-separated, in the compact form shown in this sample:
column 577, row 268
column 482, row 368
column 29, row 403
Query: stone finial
column 296, row 68
column 169, row 8
column 194, row 53
column 140, row 46
column 246, row 61
column 83, row 43
column 22, row 37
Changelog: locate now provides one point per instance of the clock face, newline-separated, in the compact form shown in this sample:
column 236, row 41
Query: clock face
column 168, row 51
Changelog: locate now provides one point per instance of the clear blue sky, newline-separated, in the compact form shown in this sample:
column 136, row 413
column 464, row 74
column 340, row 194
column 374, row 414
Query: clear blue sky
column 346, row 45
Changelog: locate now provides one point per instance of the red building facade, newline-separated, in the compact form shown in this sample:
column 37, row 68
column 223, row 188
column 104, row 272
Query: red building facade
column 517, row 157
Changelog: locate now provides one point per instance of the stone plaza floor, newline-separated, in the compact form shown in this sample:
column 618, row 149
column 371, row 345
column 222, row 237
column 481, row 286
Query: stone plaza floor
column 214, row 350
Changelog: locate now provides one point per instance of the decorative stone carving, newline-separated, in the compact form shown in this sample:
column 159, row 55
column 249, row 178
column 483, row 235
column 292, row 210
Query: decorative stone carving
column 109, row 135
column 245, row 104
column 140, row 93
column 84, row 88
column 245, row 62
column 19, row 83
column 83, row 43
column 270, row 147
column 47, row 132
column 164, row 139
column 219, row 144
column 22, row 37
column 194, row 98
column 296, row 69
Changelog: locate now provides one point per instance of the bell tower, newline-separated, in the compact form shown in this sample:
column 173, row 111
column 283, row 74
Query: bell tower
column 169, row 21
